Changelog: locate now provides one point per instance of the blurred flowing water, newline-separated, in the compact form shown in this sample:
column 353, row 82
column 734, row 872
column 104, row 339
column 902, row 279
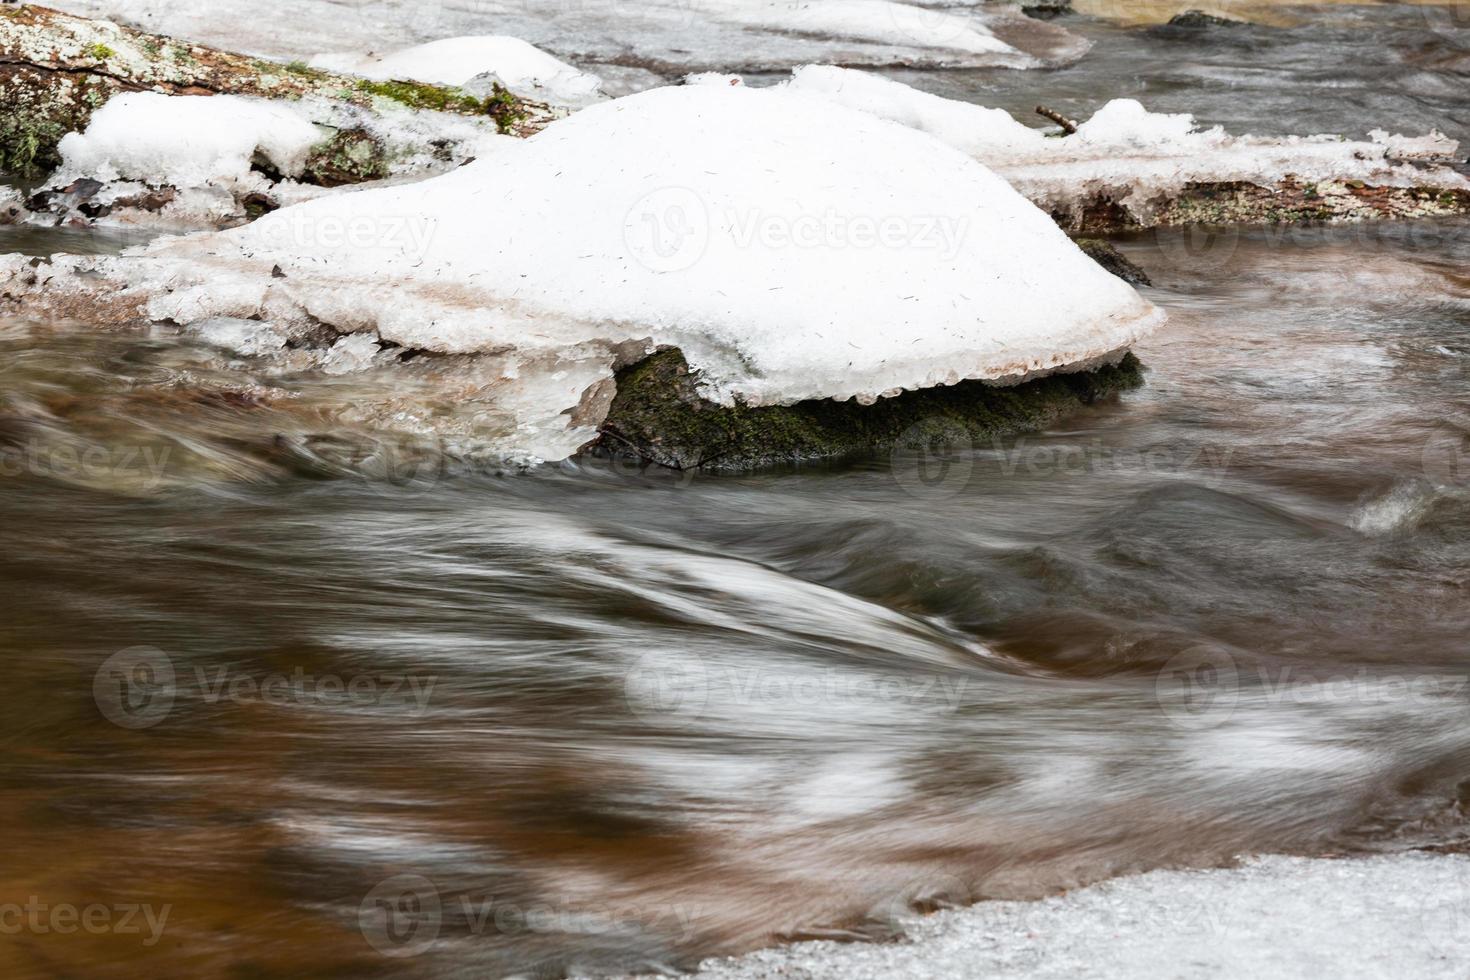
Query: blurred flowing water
column 316, row 701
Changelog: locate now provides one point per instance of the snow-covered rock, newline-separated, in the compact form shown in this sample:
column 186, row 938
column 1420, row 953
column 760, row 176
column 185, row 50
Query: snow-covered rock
column 213, row 153
column 1137, row 158
column 523, row 68
column 188, row 141
column 791, row 248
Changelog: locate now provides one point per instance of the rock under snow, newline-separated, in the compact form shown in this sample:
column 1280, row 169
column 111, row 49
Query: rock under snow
column 791, row 248
column 182, row 162
column 523, row 68
column 1136, row 158
column 188, row 141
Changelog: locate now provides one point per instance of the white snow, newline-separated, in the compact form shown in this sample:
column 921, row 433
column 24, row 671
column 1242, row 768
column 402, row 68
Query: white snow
column 187, row 140
column 1137, row 157
column 523, row 68
column 973, row 129
column 793, row 249
column 1405, row 915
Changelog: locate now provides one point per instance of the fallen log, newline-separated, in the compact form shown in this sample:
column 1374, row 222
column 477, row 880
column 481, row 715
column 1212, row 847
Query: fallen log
column 56, row 70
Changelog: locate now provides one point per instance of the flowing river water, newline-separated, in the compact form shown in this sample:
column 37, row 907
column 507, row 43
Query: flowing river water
column 360, row 712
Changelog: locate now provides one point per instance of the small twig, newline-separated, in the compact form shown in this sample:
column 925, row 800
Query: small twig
column 1069, row 126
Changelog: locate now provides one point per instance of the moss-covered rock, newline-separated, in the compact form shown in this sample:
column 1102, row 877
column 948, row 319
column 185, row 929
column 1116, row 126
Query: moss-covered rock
column 658, row 416
column 349, row 157
column 1107, row 255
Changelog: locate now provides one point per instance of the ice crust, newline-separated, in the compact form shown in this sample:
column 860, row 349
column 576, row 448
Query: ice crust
column 523, row 68
column 792, row 248
column 1280, row 917
column 1136, row 156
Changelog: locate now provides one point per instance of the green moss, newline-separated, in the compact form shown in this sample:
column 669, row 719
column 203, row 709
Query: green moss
column 418, row 95
column 657, row 415
column 349, row 157
column 502, row 105
column 100, row 51
column 301, row 68
column 505, row 109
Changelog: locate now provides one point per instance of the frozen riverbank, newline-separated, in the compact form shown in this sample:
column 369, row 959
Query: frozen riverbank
column 1400, row 916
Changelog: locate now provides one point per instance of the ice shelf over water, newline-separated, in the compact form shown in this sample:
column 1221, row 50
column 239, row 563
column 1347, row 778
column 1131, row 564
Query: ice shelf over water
column 792, row 249
column 1136, row 157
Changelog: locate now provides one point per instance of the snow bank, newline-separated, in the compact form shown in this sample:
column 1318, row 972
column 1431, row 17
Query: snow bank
column 188, row 140
column 1136, row 157
column 523, row 68
column 1288, row 918
column 791, row 248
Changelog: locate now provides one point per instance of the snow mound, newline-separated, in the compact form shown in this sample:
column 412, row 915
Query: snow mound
column 523, row 68
column 791, row 248
column 1134, row 156
column 187, row 140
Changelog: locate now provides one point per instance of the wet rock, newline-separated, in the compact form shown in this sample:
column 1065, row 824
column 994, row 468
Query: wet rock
column 1105, row 254
column 1049, row 10
column 349, row 157
column 658, row 416
column 1198, row 20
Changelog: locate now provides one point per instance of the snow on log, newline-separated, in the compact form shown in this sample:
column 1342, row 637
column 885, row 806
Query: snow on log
column 56, row 70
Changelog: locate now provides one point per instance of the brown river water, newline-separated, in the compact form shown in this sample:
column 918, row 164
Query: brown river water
column 363, row 710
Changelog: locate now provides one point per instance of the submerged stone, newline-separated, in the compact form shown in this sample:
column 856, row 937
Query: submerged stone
column 659, row 417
